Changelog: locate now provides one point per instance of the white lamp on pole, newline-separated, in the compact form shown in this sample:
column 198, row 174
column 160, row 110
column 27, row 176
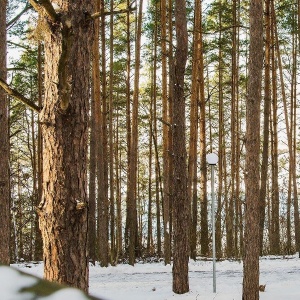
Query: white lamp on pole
column 212, row 160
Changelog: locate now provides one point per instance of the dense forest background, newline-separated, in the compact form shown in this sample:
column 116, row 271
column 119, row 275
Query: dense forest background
column 130, row 110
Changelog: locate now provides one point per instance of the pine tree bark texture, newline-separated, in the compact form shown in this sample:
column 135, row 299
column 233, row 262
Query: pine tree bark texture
column 181, row 210
column 4, row 148
column 252, row 165
column 64, row 119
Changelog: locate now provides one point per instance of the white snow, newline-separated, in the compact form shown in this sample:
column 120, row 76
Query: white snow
column 153, row 281
column 12, row 282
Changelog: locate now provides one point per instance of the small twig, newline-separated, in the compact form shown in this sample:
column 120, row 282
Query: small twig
column 114, row 12
column 164, row 122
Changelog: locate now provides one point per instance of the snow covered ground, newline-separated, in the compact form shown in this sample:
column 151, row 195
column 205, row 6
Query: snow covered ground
column 153, row 281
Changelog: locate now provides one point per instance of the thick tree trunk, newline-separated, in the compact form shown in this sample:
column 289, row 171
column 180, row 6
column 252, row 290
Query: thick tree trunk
column 251, row 240
column 64, row 119
column 181, row 205
column 4, row 148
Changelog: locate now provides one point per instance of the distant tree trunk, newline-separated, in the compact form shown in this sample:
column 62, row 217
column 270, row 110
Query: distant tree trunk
column 118, row 159
column 204, row 242
column 294, row 142
column 153, row 100
column 251, row 239
column 103, row 167
column 128, row 115
column 166, row 133
column 158, row 184
column 231, row 214
column 221, row 142
column 92, row 177
column 181, row 209
column 149, row 246
column 64, row 119
column 113, row 249
column 274, row 222
column 170, row 39
column 133, row 158
column 266, row 131
column 192, row 156
column 38, row 251
column 292, row 158
column 4, row 148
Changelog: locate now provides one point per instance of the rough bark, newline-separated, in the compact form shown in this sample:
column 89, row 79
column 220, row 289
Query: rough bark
column 64, row 119
column 4, row 148
column 180, row 200
column 251, row 239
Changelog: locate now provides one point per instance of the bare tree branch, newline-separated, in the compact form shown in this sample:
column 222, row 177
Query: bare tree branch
column 18, row 16
column 114, row 12
column 19, row 96
column 46, row 6
column 49, row 9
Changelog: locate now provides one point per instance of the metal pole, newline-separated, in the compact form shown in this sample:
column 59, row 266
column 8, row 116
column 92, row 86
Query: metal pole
column 213, row 225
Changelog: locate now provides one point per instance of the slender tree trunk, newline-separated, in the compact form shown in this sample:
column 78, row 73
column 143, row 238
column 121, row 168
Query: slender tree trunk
column 128, row 117
column 266, row 131
column 222, row 156
column 4, row 148
column 151, row 121
column 103, row 168
column 64, row 119
column 251, row 240
column 204, row 241
column 289, row 136
column 92, row 180
column 166, row 133
column 133, row 158
column 170, row 39
column 231, row 214
column 192, row 159
column 294, row 139
column 38, row 237
column 181, row 205
column 274, row 234
column 118, row 190
column 113, row 249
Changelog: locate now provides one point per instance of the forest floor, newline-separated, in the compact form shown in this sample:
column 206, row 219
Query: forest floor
column 153, row 280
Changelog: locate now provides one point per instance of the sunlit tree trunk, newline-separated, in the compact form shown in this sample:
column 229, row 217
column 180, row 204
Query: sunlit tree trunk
column 251, row 239
column 64, row 119
column 181, row 205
